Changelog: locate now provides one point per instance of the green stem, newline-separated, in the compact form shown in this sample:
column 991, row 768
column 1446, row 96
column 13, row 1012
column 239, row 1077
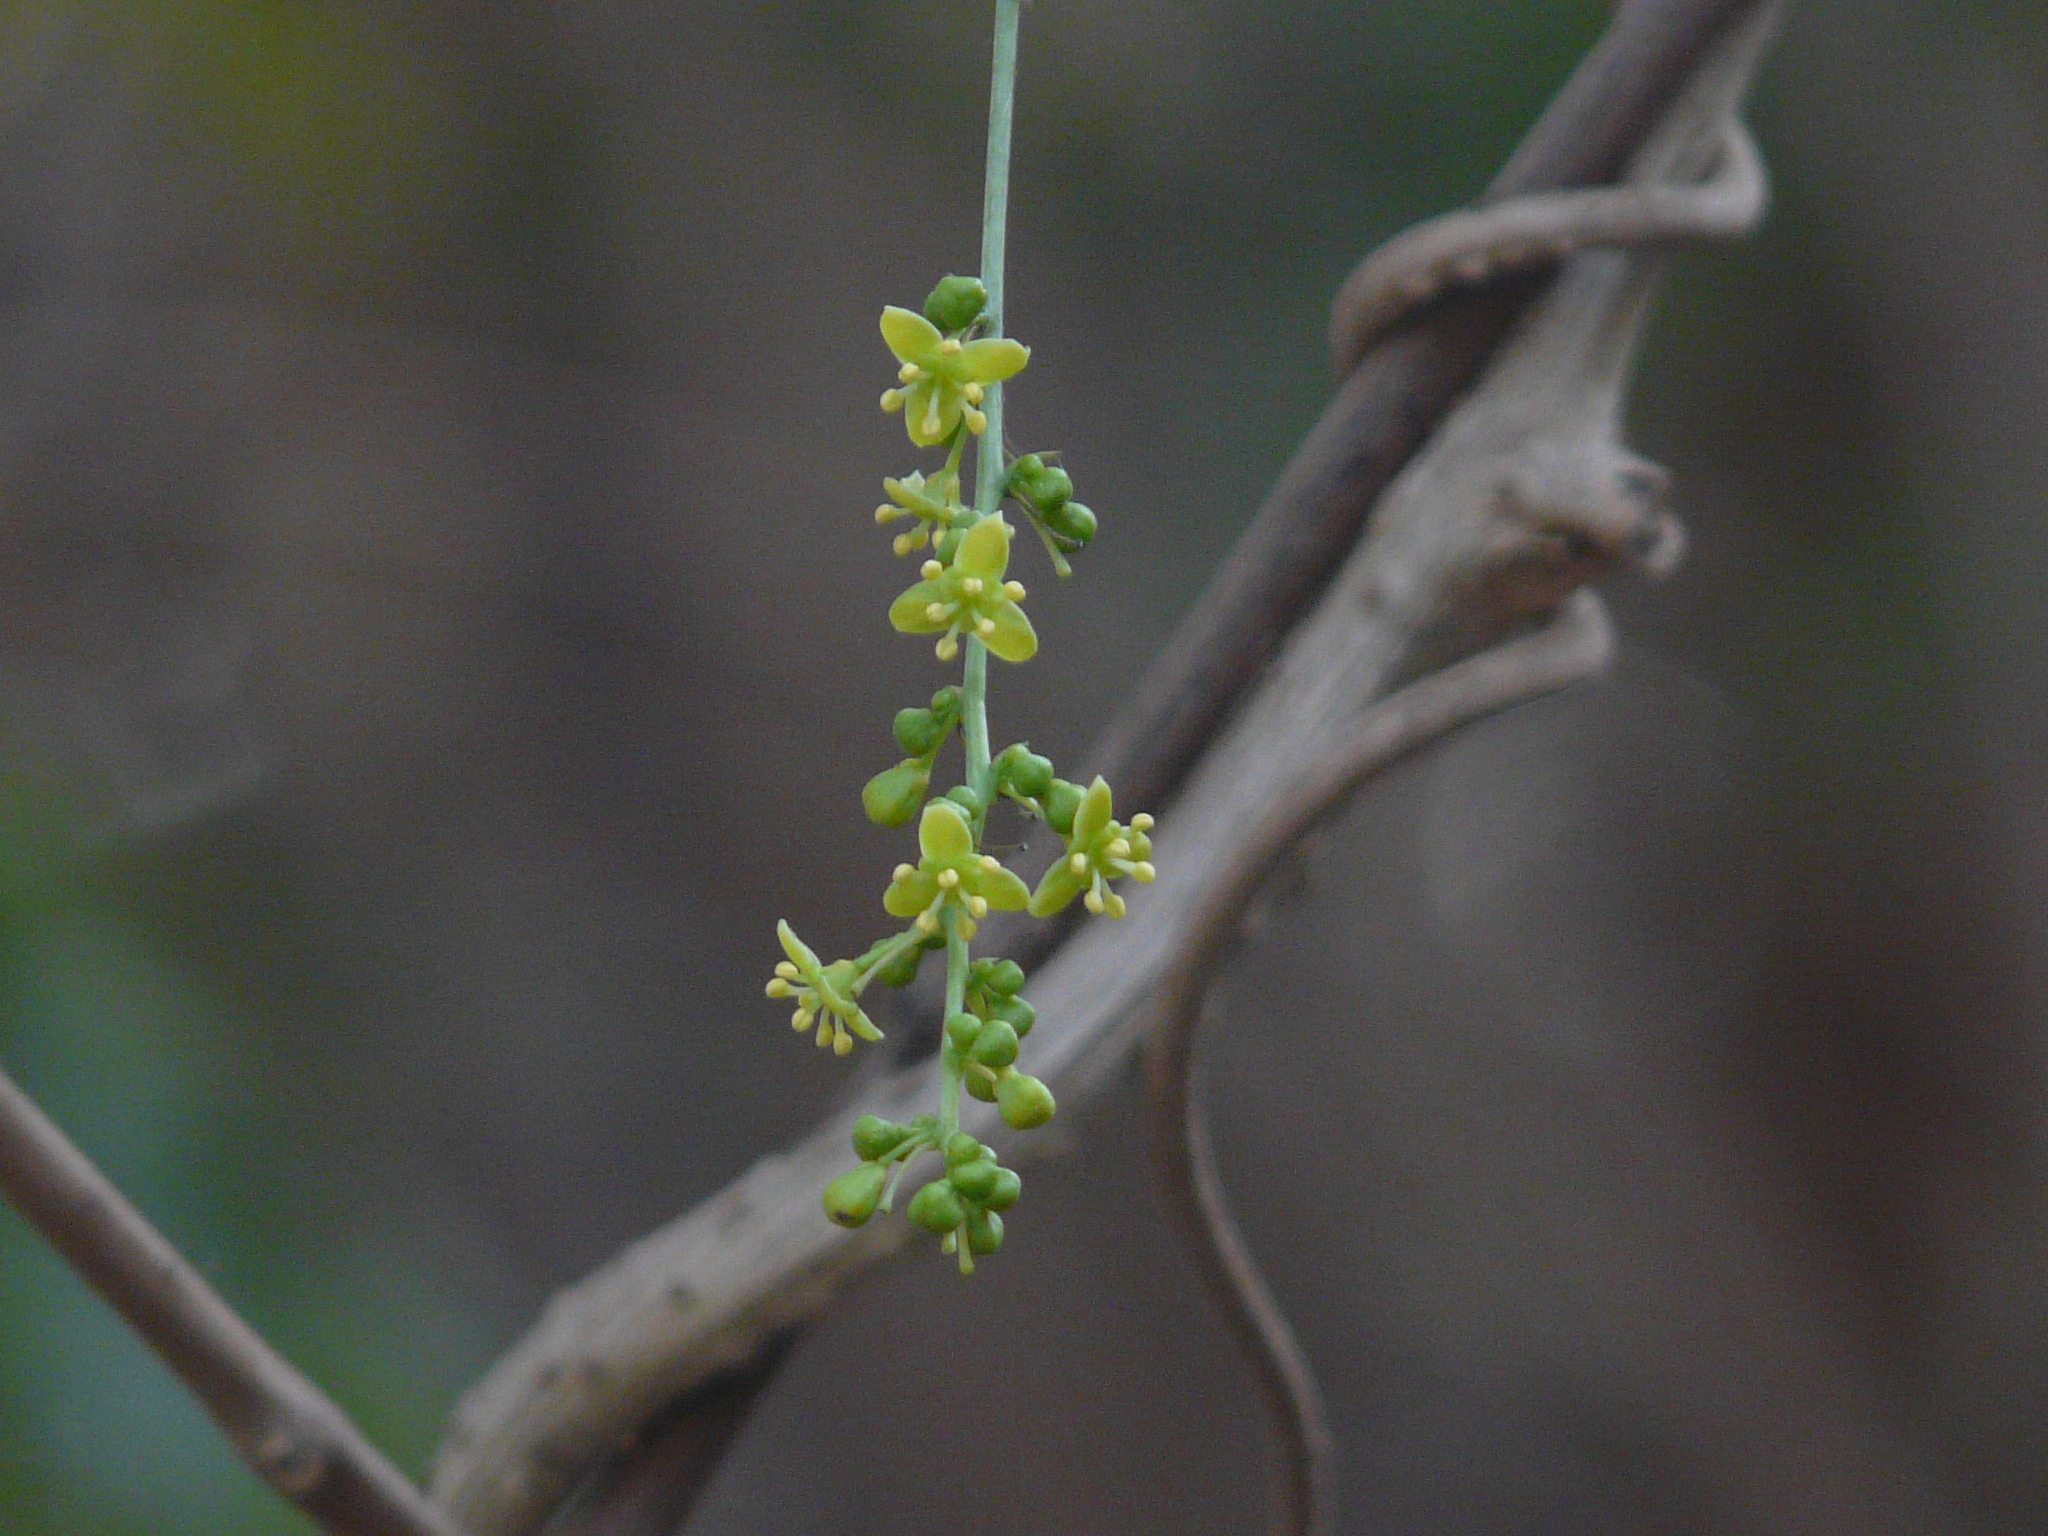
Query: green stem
column 995, row 223
column 956, row 999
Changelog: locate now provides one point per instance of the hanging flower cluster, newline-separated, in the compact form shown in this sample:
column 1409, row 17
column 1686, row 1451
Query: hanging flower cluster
column 947, row 372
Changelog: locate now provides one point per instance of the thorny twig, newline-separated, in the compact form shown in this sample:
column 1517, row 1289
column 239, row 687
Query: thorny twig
column 1525, row 496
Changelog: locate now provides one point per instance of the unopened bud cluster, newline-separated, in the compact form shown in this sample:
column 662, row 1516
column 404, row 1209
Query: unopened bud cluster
column 965, row 597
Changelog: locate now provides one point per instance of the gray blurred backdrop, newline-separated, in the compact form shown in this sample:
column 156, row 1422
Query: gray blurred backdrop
column 441, row 630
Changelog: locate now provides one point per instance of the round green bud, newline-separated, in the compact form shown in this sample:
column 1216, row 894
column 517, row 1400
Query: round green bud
column 902, row 971
column 851, row 1198
column 920, row 732
column 963, row 795
column 936, row 1208
column 1025, row 1102
column 962, row 1148
column 1022, row 470
column 1004, row 976
column 956, row 303
column 1059, row 804
column 984, row 1233
column 1003, row 1194
column 995, row 1046
column 892, row 796
column 975, row 1180
column 1025, row 771
column 875, row 1137
column 1048, row 488
column 961, row 1029
column 979, row 1085
column 1015, row 1012
column 946, row 703
column 1071, row 521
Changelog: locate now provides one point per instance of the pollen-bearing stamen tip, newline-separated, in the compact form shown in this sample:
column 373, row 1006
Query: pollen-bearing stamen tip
column 931, row 570
column 1078, row 863
column 984, row 627
column 892, row 400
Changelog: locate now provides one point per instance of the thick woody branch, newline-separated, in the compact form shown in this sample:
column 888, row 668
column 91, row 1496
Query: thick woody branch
column 282, row 1425
column 1522, row 496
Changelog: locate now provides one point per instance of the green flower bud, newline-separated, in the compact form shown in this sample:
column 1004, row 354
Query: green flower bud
column 975, row 1180
column 961, row 1029
column 1059, row 804
column 984, row 1233
column 891, row 797
column 875, row 1137
column 1024, row 771
column 946, row 704
column 1015, row 1012
column 962, row 1148
column 956, row 303
column 1003, row 1194
column 995, row 1046
column 979, row 1085
column 1025, row 1102
column 963, row 795
column 936, row 1208
column 1005, row 977
column 851, row 1198
column 920, row 732
column 1046, row 486
column 902, row 971
column 1071, row 521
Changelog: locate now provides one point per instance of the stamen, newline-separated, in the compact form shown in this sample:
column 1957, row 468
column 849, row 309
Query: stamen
column 927, row 921
column 909, row 373
column 1078, row 863
column 1142, row 821
column 978, row 905
column 931, row 570
column 799, row 1021
column 991, row 863
column 930, row 424
column 950, row 347
column 825, row 1036
column 1114, row 904
column 887, row 513
column 892, row 399
column 901, row 873
column 1093, row 902
column 842, row 1043
column 780, row 988
column 948, row 647
column 948, row 878
column 1143, row 872
column 904, row 543
column 786, row 969
column 1119, row 848
column 971, row 587
column 964, row 926
column 984, row 627
column 1014, row 591
column 977, row 421
column 938, row 613
column 972, row 393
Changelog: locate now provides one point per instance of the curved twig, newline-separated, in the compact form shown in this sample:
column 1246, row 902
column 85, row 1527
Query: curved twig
column 1410, row 269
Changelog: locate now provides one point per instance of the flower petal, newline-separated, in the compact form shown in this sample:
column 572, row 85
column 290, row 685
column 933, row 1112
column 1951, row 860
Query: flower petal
column 985, row 550
column 944, row 835
column 1014, row 639
column 1093, row 815
column 801, row 954
column 1002, row 890
column 931, row 412
column 910, row 336
column 907, row 898
column 907, row 613
column 1059, row 887
column 991, row 360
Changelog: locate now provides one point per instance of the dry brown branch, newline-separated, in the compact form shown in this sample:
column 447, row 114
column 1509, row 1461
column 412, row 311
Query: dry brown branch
column 1523, row 496
column 282, row 1425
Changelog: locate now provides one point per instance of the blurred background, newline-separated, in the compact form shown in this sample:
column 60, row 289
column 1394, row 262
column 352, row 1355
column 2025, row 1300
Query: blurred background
column 441, row 630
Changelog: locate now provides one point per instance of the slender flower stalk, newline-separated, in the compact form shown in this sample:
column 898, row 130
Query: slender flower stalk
column 953, row 361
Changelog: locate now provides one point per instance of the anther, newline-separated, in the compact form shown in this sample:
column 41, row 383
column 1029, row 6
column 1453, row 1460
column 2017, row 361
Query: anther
column 977, row 421
column 948, row 647
column 892, row 399
column 780, row 988
column 1143, row 872
column 991, row 863
column 950, row 347
column 1142, row 822
column 786, row 969
column 1078, row 863
column 971, row 586
column 926, row 922
column 800, row 1021
column 948, row 878
column 1014, row 591
column 1114, row 904
column 972, row 394
column 931, row 570
column 909, row 373
column 937, row 612
column 1093, row 902
column 842, row 1043
column 964, row 926
column 1119, row 848
column 825, row 1036
column 984, row 627
column 978, row 905
column 902, row 872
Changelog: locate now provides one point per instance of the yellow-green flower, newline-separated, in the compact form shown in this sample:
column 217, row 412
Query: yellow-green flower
column 970, row 596
column 824, row 994
column 951, row 872
column 943, row 376
column 1099, row 850
column 935, row 503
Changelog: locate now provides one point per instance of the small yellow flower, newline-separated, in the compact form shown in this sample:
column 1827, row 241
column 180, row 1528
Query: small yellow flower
column 943, row 377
